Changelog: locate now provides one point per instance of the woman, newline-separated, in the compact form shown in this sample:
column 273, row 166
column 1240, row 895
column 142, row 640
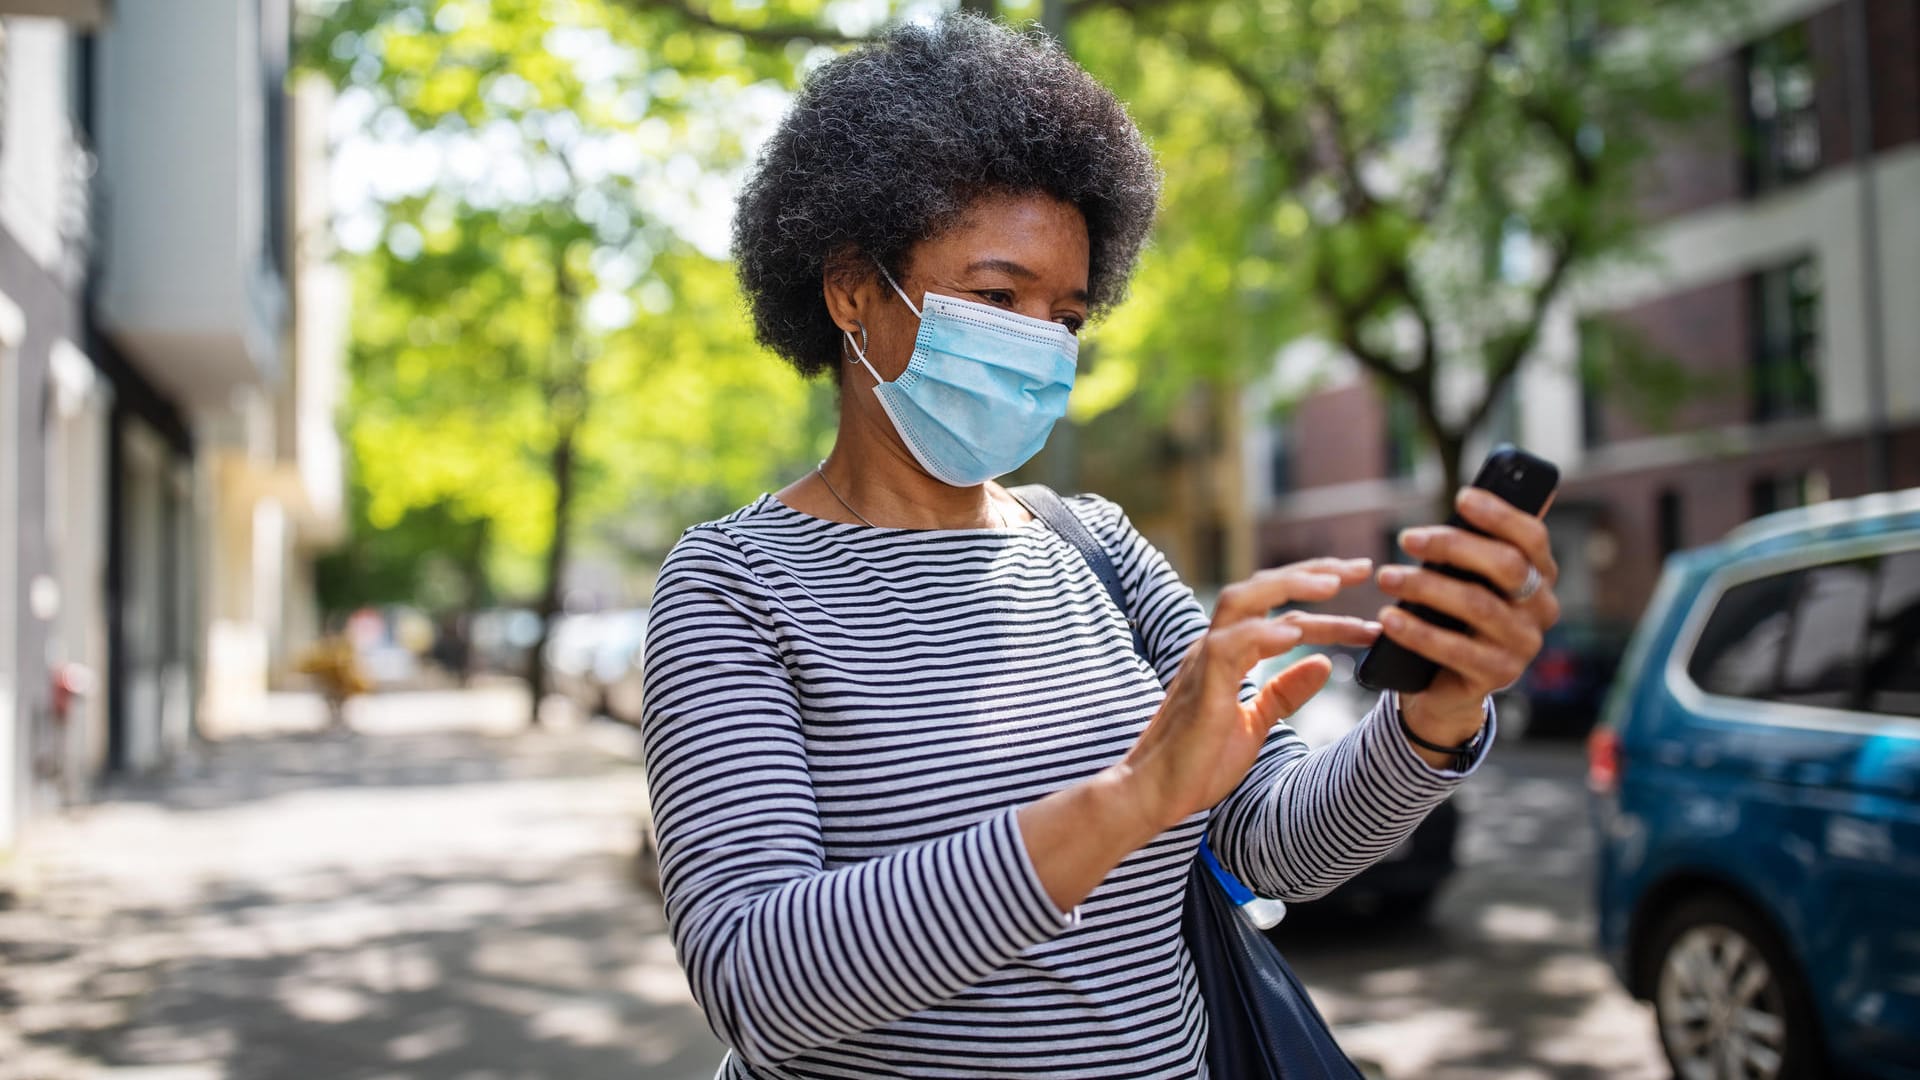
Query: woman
column 922, row 808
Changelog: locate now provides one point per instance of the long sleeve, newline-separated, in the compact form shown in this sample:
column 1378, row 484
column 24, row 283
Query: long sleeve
column 783, row 953
column 1303, row 821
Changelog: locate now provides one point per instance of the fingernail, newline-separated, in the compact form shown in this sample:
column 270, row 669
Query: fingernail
column 1393, row 575
column 1371, row 626
column 1474, row 498
column 1413, row 540
column 1391, row 617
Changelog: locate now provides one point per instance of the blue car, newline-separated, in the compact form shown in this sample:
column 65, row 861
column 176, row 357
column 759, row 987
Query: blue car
column 1757, row 779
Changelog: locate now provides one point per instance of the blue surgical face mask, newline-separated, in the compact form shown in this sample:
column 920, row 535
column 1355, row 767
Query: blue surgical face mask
column 982, row 390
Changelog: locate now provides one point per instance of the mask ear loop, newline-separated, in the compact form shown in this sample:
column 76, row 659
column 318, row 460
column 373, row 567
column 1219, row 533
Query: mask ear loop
column 901, row 292
column 860, row 349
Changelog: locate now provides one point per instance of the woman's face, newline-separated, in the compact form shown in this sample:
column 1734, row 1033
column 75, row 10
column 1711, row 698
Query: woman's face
column 1024, row 253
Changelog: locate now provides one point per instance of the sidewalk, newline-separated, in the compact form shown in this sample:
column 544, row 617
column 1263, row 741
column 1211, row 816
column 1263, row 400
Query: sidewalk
column 442, row 895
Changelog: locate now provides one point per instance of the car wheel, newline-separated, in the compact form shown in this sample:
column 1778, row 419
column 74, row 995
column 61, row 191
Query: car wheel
column 1730, row 1001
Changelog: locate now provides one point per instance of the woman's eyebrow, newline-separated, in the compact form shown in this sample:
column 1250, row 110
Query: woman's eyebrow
column 1014, row 269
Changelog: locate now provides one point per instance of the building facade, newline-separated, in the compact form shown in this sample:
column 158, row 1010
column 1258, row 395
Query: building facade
column 1778, row 300
column 169, row 350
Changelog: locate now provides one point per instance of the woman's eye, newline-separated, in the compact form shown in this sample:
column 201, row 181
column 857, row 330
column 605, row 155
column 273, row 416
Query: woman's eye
column 1001, row 297
column 1073, row 323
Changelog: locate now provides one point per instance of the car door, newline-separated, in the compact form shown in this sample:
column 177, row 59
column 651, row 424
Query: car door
column 1871, row 841
column 1805, row 666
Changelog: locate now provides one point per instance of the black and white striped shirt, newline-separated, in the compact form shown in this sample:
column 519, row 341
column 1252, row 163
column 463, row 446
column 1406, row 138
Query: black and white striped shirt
column 840, row 724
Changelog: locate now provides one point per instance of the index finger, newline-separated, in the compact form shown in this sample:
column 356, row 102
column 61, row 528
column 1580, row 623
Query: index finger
column 1508, row 522
column 1314, row 579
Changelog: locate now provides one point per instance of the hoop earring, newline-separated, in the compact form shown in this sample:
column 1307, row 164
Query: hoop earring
column 860, row 350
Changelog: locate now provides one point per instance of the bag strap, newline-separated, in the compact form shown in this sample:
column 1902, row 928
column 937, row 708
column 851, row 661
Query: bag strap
column 1047, row 505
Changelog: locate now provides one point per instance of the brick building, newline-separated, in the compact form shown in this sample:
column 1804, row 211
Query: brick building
column 1783, row 289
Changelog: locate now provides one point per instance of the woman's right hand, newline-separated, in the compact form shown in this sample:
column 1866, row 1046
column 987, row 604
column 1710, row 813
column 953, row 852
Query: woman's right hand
column 1203, row 740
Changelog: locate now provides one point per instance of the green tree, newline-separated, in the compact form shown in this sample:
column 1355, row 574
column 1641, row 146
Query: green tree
column 536, row 343
column 1418, row 184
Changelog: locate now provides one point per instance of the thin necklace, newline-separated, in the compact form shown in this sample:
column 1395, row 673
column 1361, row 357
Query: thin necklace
column 997, row 513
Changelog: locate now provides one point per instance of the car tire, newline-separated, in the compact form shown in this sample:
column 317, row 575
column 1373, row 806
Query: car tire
column 1729, row 998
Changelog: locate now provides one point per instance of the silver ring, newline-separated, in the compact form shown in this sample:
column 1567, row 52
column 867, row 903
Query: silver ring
column 1529, row 586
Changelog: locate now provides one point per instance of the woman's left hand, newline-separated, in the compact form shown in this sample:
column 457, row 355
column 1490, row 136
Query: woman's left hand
column 1504, row 633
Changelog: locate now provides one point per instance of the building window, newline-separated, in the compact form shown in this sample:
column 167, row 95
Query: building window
column 1783, row 129
column 1597, row 363
column 1503, row 420
column 1390, row 549
column 1280, row 460
column 1786, row 342
column 275, row 42
column 1769, row 492
column 1403, row 436
column 1669, row 527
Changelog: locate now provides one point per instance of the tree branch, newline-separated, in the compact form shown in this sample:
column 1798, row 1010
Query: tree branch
column 764, row 33
column 1278, row 125
column 786, row 33
column 1349, row 317
column 1346, row 163
column 1515, row 347
column 1454, row 134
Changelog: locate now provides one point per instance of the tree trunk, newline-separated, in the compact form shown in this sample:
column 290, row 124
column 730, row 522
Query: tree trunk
column 561, row 464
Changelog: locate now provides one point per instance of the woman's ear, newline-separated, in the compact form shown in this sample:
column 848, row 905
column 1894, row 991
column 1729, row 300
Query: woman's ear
column 847, row 286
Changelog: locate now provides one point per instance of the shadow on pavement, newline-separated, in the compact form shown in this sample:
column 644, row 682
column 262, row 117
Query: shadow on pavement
column 1501, row 979
column 428, row 903
column 340, row 975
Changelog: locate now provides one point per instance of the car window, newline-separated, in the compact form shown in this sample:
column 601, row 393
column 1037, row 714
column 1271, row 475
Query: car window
column 1824, row 650
column 1892, row 668
column 1738, row 653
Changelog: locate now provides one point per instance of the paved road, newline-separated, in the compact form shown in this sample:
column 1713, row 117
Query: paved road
column 446, row 896
column 1503, row 980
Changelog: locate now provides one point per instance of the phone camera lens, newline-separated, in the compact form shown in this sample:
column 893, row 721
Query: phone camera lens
column 1517, row 474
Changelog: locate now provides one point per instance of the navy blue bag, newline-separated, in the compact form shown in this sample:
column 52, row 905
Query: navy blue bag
column 1261, row 1024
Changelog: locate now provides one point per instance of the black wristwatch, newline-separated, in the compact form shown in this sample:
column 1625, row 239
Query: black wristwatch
column 1462, row 756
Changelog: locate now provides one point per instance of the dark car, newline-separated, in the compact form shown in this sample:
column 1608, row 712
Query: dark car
column 1567, row 683
column 1405, row 880
column 1757, row 780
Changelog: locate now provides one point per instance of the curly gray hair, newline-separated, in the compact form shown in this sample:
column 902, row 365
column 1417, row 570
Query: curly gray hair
column 891, row 142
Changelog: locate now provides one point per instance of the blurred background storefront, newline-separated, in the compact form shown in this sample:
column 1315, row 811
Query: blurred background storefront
column 170, row 338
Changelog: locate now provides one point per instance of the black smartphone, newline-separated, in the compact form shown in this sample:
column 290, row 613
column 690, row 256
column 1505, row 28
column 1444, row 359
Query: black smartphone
column 1513, row 474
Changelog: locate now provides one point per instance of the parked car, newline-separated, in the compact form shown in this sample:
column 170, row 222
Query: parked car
column 617, row 659
column 388, row 643
column 593, row 659
column 501, row 640
column 569, row 659
column 1566, row 684
column 1404, row 882
column 1757, row 779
